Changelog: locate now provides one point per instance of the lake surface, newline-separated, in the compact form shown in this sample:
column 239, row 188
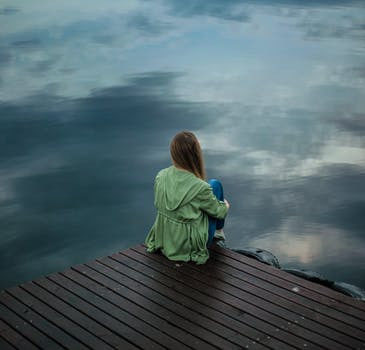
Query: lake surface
column 90, row 97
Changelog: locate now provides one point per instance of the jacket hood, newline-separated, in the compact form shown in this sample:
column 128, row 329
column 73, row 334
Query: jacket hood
column 176, row 187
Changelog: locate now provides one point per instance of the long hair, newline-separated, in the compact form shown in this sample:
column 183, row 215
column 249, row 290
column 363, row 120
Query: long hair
column 186, row 153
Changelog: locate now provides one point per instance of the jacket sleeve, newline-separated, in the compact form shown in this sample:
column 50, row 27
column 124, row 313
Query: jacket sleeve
column 155, row 188
column 209, row 203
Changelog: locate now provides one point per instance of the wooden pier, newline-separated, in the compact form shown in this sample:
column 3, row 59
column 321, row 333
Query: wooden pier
column 136, row 300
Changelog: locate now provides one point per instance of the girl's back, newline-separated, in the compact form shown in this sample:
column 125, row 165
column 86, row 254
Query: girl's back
column 184, row 203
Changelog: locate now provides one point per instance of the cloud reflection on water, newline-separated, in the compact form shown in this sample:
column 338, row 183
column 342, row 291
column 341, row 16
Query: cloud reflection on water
column 90, row 100
column 73, row 167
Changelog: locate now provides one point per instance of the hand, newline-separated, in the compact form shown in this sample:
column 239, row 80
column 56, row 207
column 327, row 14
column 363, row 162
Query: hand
column 227, row 204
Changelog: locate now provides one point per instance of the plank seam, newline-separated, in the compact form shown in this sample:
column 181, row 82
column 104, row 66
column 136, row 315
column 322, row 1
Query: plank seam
column 64, row 315
column 82, row 311
column 187, row 296
column 46, row 318
column 289, row 330
column 134, row 291
column 41, row 316
column 311, row 319
column 120, row 308
column 130, row 300
column 289, row 300
column 103, row 274
column 169, row 309
column 6, row 341
column 309, row 291
column 339, row 297
column 17, row 331
column 275, row 284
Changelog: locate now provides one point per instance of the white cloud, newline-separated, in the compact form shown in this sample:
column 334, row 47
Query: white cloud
column 309, row 243
column 37, row 14
column 24, row 167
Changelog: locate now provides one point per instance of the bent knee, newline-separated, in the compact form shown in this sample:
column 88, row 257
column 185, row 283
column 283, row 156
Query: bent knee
column 215, row 183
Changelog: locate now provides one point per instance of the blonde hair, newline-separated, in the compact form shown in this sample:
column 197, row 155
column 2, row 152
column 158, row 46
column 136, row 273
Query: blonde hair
column 186, row 153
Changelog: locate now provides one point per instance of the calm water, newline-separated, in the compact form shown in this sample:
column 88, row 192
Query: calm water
column 90, row 97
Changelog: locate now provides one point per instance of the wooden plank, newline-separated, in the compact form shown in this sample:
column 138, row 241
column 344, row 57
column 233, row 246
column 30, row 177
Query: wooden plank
column 129, row 320
column 353, row 315
column 58, row 335
column 61, row 321
column 146, row 298
column 339, row 301
column 4, row 345
column 137, row 300
column 9, row 336
column 191, row 321
column 305, row 306
column 211, row 268
column 97, row 337
column 34, row 338
column 118, row 295
column 183, row 294
column 112, row 331
column 307, row 319
column 213, row 287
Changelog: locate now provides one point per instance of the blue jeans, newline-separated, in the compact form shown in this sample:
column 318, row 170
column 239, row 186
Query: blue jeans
column 214, row 223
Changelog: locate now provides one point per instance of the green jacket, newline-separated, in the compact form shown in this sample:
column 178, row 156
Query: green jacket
column 183, row 202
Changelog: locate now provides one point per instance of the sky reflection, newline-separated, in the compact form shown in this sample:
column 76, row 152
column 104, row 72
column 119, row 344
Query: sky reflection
column 90, row 98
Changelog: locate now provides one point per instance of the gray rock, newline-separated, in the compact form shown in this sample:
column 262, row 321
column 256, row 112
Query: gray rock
column 259, row 254
column 310, row 276
column 349, row 289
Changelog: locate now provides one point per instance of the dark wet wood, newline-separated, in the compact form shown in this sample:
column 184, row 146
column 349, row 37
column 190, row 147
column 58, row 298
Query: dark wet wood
column 47, row 327
column 281, row 293
column 136, row 300
column 27, row 330
column 4, row 345
column 190, row 321
column 212, row 287
column 10, row 336
column 291, row 312
column 315, row 291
